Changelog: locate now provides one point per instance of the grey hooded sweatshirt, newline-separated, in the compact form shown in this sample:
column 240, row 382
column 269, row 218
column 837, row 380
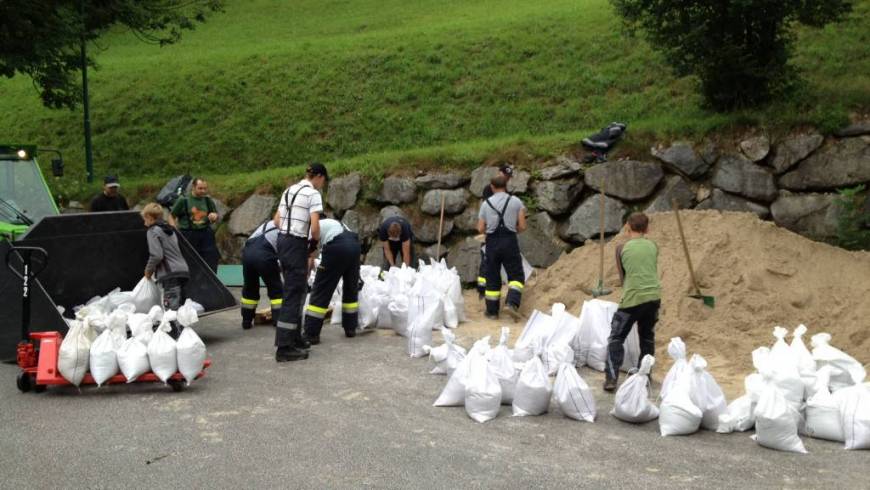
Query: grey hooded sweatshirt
column 165, row 260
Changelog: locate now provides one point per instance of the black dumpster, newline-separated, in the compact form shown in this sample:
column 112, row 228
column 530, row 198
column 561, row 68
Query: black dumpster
column 89, row 255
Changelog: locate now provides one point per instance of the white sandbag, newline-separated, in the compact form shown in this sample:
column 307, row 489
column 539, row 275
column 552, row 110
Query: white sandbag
column 706, row 393
column 454, row 292
column 823, row 420
column 453, row 394
column 156, row 314
column 196, row 306
column 557, row 355
column 133, row 359
column 187, row 315
column 533, row 390
column 739, row 417
column 191, row 353
column 776, row 419
column 502, row 365
column 847, row 370
column 399, row 314
column 538, row 328
column 561, row 341
column 145, row 295
column 631, row 402
column 855, row 415
column 785, row 375
column 806, row 363
column 677, row 351
column 679, row 416
column 141, row 327
column 103, row 357
column 162, row 353
column 572, row 395
column 75, row 352
column 451, row 316
column 447, row 356
column 595, row 322
column 482, row 390
column 419, row 335
column 118, row 298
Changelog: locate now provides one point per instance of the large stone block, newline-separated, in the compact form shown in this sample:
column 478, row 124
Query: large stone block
column 559, row 168
column 811, row 215
column 584, row 222
column 454, row 201
column 557, row 196
column 724, row 201
column 251, row 214
column 625, row 179
column 738, row 175
column 793, row 149
column 540, row 242
column 682, row 157
column 441, row 181
column 842, row 164
column 675, row 188
column 465, row 256
column 398, row 190
column 343, row 192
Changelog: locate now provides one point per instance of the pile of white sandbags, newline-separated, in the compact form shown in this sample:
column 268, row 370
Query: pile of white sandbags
column 819, row 393
column 691, row 398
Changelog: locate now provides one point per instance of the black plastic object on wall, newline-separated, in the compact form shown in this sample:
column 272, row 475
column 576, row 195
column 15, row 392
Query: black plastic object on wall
column 89, row 255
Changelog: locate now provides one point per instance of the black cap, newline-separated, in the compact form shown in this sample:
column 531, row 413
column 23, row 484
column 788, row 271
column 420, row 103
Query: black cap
column 111, row 181
column 506, row 169
column 316, row 169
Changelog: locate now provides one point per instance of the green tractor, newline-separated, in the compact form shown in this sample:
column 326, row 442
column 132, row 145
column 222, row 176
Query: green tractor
column 24, row 194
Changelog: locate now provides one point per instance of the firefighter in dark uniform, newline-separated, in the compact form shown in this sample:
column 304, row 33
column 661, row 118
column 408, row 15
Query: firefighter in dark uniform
column 507, row 172
column 501, row 217
column 298, row 222
column 339, row 260
column 260, row 260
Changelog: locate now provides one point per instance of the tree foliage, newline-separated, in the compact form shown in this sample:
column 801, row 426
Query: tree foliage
column 738, row 49
column 42, row 38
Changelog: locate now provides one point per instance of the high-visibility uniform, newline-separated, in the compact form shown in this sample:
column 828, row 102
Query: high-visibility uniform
column 260, row 261
column 339, row 261
column 502, row 250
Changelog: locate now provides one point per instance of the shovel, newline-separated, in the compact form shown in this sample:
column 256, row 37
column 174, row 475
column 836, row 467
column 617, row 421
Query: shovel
column 709, row 301
column 600, row 290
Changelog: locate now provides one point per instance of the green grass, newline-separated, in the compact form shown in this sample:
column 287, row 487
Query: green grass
column 256, row 92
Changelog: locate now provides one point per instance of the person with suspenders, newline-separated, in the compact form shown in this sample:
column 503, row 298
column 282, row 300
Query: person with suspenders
column 339, row 260
column 501, row 217
column 194, row 216
column 260, row 260
column 298, row 223
column 506, row 171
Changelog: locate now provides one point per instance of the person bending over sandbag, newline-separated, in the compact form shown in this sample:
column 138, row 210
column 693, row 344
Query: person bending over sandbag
column 396, row 239
column 260, row 260
column 165, row 262
column 501, row 217
column 340, row 252
column 637, row 262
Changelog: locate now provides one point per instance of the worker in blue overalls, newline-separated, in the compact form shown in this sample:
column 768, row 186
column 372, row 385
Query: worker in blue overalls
column 501, row 217
column 339, row 260
column 506, row 171
column 260, row 261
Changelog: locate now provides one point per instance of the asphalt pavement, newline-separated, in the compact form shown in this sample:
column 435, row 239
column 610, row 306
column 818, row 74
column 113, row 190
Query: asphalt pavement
column 359, row 413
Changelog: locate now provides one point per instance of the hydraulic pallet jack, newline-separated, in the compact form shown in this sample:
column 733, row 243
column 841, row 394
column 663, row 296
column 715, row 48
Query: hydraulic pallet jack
column 38, row 351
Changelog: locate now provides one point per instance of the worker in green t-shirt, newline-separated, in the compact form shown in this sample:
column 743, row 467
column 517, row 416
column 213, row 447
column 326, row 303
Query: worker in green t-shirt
column 637, row 261
column 194, row 215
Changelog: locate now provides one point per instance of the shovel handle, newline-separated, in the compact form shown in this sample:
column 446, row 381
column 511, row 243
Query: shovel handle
column 601, row 235
column 685, row 247
column 440, row 229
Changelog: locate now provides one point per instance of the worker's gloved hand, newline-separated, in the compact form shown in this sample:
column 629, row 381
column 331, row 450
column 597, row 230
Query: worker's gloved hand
column 312, row 245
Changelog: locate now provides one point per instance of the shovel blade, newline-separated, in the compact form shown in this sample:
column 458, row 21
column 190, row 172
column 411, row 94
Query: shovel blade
column 709, row 301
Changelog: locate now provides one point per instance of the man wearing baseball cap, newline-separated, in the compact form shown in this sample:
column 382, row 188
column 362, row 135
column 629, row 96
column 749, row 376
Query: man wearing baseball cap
column 506, row 171
column 298, row 223
column 109, row 199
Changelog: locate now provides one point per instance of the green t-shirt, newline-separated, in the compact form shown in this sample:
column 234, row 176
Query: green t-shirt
column 192, row 212
column 640, row 261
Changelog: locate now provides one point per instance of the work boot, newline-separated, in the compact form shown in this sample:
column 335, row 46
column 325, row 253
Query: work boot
column 304, row 343
column 290, row 353
column 247, row 325
column 513, row 311
column 491, row 316
column 350, row 332
column 609, row 384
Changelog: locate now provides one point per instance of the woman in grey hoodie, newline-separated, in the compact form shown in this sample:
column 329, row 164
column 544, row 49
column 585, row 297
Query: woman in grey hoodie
column 165, row 264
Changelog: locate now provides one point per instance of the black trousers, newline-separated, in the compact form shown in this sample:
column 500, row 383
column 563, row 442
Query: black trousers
column 293, row 253
column 646, row 315
column 339, row 261
column 203, row 242
column 259, row 260
column 481, row 271
column 396, row 249
column 173, row 298
column 503, row 250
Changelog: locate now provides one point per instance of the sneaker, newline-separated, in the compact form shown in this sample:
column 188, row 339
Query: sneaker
column 609, row 385
column 513, row 311
column 491, row 316
column 287, row 354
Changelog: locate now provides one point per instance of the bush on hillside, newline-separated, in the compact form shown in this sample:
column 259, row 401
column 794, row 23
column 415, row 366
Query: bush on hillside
column 853, row 219
column 739, row 49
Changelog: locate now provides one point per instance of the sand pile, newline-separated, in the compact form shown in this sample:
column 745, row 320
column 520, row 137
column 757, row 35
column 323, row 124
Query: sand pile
column 761, row 275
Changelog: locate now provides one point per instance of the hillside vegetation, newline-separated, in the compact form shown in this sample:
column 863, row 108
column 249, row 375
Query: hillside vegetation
column 370, row 84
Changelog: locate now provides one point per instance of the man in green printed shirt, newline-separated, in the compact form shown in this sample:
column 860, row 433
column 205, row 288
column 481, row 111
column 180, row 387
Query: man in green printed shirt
column 194, row 215
column 637, row 261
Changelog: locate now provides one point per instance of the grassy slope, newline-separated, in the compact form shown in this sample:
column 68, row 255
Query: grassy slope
column 370, row 84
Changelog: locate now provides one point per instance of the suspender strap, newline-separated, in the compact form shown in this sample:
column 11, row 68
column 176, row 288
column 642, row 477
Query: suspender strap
column 502, row 212
column 290, row 207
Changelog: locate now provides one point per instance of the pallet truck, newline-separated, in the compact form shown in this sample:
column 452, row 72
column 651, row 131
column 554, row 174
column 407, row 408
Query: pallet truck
column 38, row 351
